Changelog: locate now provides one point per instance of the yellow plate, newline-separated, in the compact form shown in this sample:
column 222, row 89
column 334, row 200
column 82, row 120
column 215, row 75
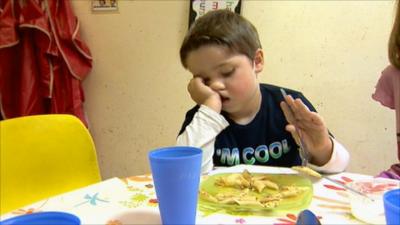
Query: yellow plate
column 287, row 205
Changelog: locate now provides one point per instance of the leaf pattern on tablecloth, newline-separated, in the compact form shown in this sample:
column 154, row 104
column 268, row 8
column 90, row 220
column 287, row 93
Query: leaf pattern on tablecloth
column 139, row 198
column 134, row 189
column 25, row 211
column 240, row 221
column 343, row 180
column 152, row 202
column 129, row 204
column 136, row 200
column 142, row 178
column 143, row 193
column 289, row 220
column 149, row 185
column 335, row 205
column 91, row 200
column 22, row 211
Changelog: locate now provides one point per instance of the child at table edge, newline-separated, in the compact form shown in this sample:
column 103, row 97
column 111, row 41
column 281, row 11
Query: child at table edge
column 238, row 120
column 387, row 90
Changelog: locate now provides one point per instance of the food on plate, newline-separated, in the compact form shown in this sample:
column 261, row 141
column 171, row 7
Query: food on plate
column 290, row 191
column 234, row 180
column 207, row 196
column 307, row 170
column 260, row 183
column 246, row 189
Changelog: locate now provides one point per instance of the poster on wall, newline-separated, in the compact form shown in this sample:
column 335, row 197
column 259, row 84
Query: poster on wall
column 200, row 7
column 104, row 5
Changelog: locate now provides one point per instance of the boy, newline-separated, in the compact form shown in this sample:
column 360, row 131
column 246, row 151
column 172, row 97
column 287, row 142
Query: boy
column 237, row 120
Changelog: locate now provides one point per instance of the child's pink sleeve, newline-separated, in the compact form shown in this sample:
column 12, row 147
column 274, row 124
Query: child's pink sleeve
column 384, row 90
column 387, row 92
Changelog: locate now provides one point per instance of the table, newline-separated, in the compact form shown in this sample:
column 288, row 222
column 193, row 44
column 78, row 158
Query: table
column 132, row 200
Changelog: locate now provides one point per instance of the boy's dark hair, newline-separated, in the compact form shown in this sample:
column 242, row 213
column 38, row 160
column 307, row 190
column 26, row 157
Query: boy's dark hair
column 221, row 27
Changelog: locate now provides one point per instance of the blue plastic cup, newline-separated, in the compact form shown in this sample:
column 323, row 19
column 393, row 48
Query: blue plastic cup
column 391, row 202
column 43, row 218
column 176, row 175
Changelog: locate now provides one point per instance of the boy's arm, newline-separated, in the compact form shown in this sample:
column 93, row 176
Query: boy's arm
column 339, row 156
column 201, row 132
column 338, row 162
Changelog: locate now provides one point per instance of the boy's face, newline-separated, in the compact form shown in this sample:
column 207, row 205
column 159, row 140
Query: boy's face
column 232, row 76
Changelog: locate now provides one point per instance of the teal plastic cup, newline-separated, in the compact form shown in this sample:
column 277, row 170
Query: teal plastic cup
column 391, row 203
column 43, row 218
column 176, row 175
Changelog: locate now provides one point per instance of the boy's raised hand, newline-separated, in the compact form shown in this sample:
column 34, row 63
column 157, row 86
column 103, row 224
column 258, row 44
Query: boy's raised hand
column 203, row 94
column 312, row 128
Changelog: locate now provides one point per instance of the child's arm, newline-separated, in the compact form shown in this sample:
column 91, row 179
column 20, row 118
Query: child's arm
column 204, row 95
column 201, row 132
column 327, row 154
column 206, row 123
column 338, row 161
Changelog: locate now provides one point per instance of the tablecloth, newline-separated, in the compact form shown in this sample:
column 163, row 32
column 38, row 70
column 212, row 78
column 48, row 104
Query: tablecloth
column 132, row 200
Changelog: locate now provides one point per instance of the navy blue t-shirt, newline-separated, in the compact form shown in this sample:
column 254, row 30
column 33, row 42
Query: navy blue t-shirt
column 264, row 141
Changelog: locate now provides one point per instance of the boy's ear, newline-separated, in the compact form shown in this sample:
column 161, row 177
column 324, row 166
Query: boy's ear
column 259, row 61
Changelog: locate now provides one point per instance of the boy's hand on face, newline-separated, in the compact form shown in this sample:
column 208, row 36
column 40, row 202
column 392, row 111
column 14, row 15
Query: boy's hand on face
column 203, row 94
column 312, row 128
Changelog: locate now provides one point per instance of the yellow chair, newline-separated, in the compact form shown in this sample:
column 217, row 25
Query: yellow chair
column 42, row 156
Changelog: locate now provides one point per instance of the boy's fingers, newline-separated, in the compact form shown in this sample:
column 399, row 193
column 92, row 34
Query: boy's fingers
column 291, row 113
column 289, row 101
column 193, row 81
column 304, row 111
column 290, row 118
column 287, row 112
column 296, row 106
column 300, row 110
column 292, row 129
column 197, row 84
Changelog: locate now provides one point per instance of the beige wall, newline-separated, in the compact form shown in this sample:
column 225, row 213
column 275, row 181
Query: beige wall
column 333, row 51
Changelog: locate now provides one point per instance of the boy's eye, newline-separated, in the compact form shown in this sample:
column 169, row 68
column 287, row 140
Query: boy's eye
column 206, row 81
column 228, row 73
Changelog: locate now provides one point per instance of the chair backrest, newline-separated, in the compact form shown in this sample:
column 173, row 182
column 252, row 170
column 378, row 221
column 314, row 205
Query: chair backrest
column 42, row 156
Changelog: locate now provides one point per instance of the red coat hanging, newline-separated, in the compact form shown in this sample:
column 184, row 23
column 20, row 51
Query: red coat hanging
column 42, row 59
